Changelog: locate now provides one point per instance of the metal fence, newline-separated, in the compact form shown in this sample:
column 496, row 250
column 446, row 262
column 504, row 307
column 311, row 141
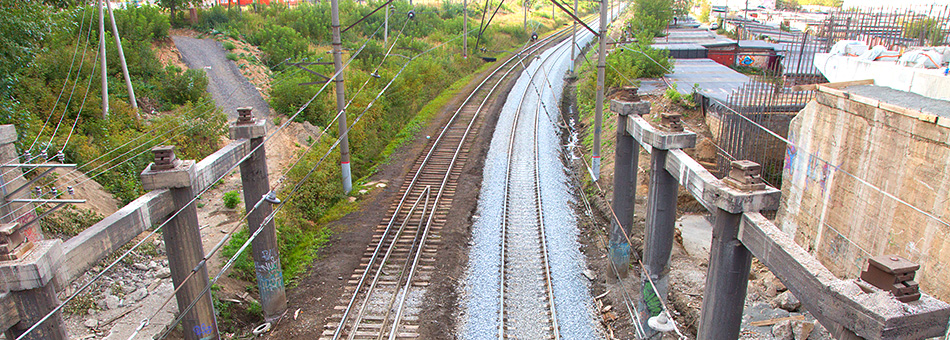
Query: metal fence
column 925, row 25
column 749, row 118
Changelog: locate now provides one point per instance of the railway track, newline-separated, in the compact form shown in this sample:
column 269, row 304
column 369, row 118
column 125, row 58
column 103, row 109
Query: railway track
column 383, row 296
column 527, row 307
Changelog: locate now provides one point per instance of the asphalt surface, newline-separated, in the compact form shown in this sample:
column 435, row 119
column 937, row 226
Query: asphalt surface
column 226, row 84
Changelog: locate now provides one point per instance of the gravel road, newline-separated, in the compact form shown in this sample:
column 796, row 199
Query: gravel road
column 227, row 85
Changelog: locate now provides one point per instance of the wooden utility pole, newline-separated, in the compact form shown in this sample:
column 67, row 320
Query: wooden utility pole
column 102, row 61
column 125, row 67
column 386, row 27
column 599, row 110
column 340, row 100
column 573, row 38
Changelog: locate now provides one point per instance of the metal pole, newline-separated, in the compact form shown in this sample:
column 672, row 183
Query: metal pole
column 573, row 38
column 599, row 109
column 102, row 53
column 658, row 237
column 340, row 101
column 625, row 188
column 386, row 27
column 254, row 180
column 125, row 68
column 464, row 28
column 726, row 282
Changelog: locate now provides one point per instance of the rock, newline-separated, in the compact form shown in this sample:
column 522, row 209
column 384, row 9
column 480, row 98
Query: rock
column 803, row 329
column 773, row 284
column 590, row 274
column 140, row 266
column 351, row 199
column 152, row 265
column 109, row 302
column 787, row 301
column 137, row 295
column 163, row 272
column 127, row 288
column 91, row 323
column 381, row 185
column 363, row 191
column 782, row 331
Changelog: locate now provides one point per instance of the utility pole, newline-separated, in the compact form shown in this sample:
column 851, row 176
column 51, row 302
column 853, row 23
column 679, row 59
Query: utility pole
column 340, row 101
column 525, row 5
column 386, row 27
column 125, row 68
column 599, row 110
column 573, row 39
column 465, row 29
column 102, row 65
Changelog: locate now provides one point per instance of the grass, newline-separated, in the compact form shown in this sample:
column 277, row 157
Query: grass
column 232, row 56
column 228, row 45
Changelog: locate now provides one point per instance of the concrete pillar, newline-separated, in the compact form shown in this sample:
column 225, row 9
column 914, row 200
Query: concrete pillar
column 727, row 280
column 183, row 240
column 627, row 156
column 32, row 280
column 657, row 238
column 11, row 178
column 270, row 278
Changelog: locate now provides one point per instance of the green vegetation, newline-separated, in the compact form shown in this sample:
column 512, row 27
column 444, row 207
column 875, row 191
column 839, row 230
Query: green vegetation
column 676, row 97
column 422, row 88
column 68, row 222
column 49, row 74
column 228, row 45
column 828, row 3
column 651, row 16
column 231, row 199
column 927, row 30
column 231, row 56
column 704, row 9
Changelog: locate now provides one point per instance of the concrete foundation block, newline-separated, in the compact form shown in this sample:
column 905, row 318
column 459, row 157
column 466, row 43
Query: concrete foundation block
column 7, row 134
column 646, row 134
column 624, row 108
column 180, row 177
column 40, row 266
column 247, row 131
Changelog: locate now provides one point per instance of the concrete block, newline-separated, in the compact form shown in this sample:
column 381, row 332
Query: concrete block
column 646, row 134
column 928, row 118
column 736, row 201
column 180, row 177
column 7, row 134
column 256, row 129
column 40, row 266
column 624, row 108
column 899, row 110
column 944, row 122
column 865, row 100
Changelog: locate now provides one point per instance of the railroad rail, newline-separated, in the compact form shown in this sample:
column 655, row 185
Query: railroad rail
column 383, row 294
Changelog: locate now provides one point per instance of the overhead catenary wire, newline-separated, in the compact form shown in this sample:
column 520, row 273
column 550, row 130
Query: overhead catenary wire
column 303, row 180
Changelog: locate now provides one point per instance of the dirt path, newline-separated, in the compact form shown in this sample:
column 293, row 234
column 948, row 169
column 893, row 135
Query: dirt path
column 226, row 83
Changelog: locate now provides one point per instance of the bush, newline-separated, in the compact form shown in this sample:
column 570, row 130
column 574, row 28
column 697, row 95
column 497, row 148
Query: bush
column 179, row 87
column 279, row 43
column 232, row 56
column 228, row 45
column 231, row 199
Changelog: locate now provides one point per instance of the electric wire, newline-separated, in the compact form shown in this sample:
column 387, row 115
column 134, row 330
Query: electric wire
column 297, row 187
column 156, row 229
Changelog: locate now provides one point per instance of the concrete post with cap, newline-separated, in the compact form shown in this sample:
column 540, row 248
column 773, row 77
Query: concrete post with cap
column 183, row 240
column 258, row 199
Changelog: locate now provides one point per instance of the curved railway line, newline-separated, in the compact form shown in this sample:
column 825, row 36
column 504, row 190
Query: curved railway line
column 382, row 297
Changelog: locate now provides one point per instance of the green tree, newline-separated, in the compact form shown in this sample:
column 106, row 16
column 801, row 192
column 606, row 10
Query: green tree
column 927, row 31
column 174, row 5
column 651, row 16
column 23, row 25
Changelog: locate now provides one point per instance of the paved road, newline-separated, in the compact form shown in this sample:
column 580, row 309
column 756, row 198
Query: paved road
column 227, row 85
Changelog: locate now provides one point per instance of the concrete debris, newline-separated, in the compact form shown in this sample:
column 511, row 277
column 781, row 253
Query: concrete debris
column 363, row 191
column 140, row 266
column 590, row 274
column 109, row 302
column 783, row 330
column 787, row 301
column 91, row 323
column 163, row 272
column 137, row 295
column 152, row 265
column 803, row 329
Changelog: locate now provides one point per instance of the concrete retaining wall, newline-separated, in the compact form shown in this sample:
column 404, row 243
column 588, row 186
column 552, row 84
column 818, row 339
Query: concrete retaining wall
column 843, row 139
